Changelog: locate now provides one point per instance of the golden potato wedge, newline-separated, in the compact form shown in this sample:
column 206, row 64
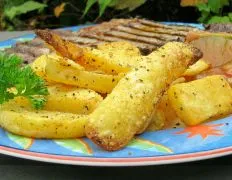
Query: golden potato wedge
column 63, row 47
column 70, row 99
column 66, row 72
column 28, row 122
column 200, row 100
column 171, row 118
column 111, row 58
column 197, row 68
column 38, row 66
column 120, row 47
column 112, row 61
column 128, row 109
column 157, row 121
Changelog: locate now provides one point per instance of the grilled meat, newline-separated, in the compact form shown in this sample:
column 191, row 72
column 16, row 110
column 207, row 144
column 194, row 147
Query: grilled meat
column 219, row 27
column 146, row 35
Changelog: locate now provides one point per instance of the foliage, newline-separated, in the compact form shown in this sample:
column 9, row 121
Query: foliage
column 31, row 14
column 15, row 12
column 212, row 12
column 24, row 8
column 116, row 4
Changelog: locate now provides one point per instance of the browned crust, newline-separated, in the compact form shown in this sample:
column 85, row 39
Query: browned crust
column 62, row 46
column 104, row 143
column 197, row 54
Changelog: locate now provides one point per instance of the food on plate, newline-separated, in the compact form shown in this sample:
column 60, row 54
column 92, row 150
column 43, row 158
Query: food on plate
column 20, row 81
column 65, row 98
column 65, row 71
column 224, row 70
column 201, row 100
column 143, row 32
column 216, row 47
column 26, row 121
column 111, row 59
column 127, row 110
column 157, row 121
column 219, row 27
column 196, row 68
column 106, row 81
column 107, row 57
column 61, row 46
column 171, row 118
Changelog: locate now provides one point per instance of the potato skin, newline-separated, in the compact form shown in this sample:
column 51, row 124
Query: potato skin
column 200, row 100
column 41, row 124
column 128, row 109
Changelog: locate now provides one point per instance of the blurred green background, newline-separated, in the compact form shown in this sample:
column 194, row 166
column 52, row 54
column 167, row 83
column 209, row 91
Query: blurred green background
column 30, row 14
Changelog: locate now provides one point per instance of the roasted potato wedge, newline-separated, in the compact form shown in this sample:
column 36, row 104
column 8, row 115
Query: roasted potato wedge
column 114, row 57
column 68, row 72
column 157, row 121
column 111, row 63
column 62, row 47
column 200, row 100
column 171, row 118
column 70, row 99
column 28, row 122
column 120, row 47
column 197, row 68
column 111, row 58
column 129, row 108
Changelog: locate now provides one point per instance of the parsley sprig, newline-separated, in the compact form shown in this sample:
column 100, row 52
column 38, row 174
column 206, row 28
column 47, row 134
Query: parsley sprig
column 16, row 80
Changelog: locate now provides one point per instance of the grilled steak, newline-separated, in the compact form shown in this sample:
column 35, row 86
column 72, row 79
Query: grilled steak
column 219, row 28
column 146, row 35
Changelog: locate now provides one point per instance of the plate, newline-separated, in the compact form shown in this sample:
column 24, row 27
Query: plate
column 200, row 142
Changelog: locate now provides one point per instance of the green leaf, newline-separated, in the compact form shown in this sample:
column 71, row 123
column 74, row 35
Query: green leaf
column 230, row 16
column 217, row 5
column 75, row 145
column 23, row 142
column 89, row 4
column 23, row 8
column 143, row 144
column 103, row 5
column 127, row 4
column 20, row 81
column 11, row 3
column 219, row 19
column 204, row 16
column 203, row 7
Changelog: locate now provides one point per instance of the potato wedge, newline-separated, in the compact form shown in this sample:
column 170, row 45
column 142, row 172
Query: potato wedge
column 197, row 68
column 128, row 109
column 111, row 58
column 64, row 48
column 111, row 62
column 39, row 65
column 114, row 57
column 200, row 100
column 66, row 72
column 70, row 99
column 157, row 121
column 171, row 118
column 120, row 47
column 41, row 124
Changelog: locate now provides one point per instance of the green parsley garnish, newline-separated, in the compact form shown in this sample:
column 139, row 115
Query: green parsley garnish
column 16, row 80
